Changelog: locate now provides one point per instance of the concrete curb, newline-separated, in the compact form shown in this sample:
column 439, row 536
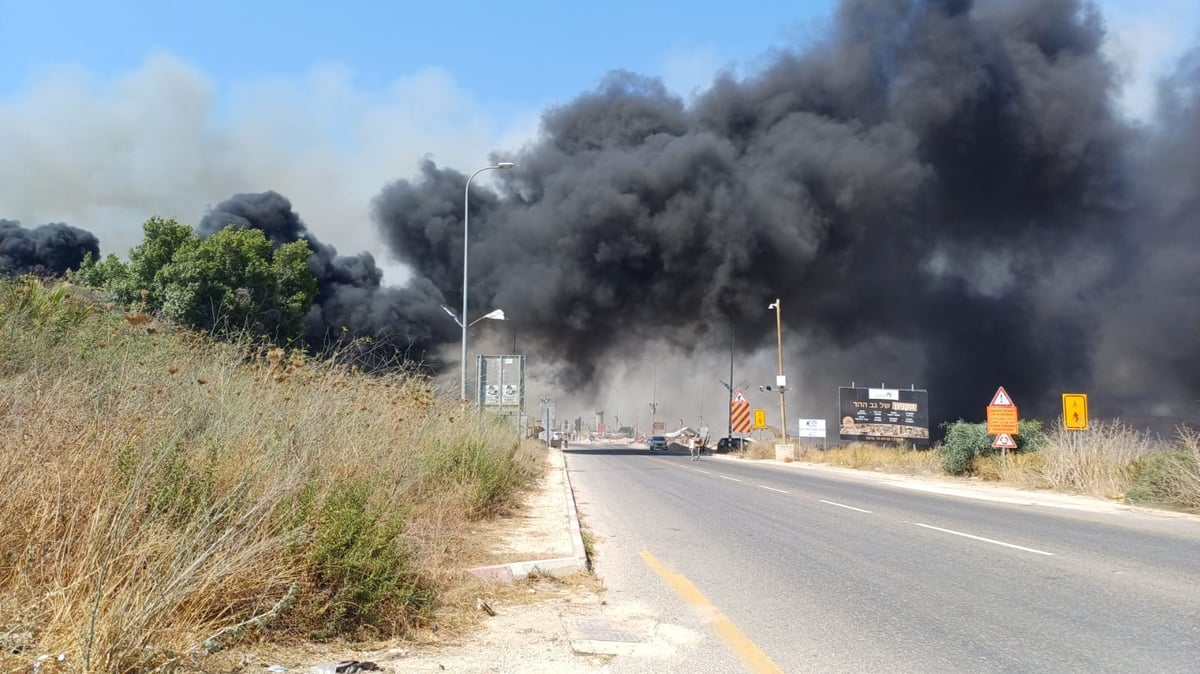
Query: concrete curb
column 557, row 567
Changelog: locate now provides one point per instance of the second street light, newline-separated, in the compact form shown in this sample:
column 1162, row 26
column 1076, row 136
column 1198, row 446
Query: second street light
column 462, row 394
column 495, row 315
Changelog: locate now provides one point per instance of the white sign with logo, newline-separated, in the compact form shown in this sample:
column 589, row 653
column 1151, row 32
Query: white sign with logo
column 812, row 428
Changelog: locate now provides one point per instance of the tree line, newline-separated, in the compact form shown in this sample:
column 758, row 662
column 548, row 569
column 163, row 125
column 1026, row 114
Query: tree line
column 233, row 282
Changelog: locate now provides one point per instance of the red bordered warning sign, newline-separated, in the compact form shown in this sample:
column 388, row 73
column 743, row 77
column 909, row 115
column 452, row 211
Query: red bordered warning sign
column 1004, row 441
column 1002, row 399
column 739, row 413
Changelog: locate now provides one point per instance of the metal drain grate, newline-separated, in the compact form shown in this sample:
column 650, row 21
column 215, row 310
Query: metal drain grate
column 588, row 629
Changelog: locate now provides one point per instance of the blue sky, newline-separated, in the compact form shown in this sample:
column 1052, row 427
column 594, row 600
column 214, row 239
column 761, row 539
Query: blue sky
column 113, row 112
column 507, row 54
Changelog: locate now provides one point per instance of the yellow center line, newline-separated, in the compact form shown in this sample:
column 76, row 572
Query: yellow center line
column 742, row 646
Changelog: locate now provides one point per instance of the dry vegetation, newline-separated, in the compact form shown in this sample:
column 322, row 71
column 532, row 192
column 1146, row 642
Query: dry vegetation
column 868, row 456
column 1111, row 460
column 167, row 495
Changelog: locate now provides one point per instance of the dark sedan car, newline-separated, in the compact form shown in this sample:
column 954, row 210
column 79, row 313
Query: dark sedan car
column 732, row 444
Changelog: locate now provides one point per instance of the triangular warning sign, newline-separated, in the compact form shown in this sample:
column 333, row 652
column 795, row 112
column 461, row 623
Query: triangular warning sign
column 1001, row 399
column 1004, row 441
column 739, row 397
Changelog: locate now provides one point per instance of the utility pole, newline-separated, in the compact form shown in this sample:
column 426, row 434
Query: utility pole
column 546, row 421
column 732, row 339
column 781, row 382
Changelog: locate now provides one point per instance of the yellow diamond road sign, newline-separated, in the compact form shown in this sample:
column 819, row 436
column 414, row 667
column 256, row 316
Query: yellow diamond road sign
column 760, row 418
column 1075, row 413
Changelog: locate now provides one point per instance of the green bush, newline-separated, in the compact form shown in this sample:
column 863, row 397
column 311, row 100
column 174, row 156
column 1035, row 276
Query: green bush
column 231, row 282
column 965, row 441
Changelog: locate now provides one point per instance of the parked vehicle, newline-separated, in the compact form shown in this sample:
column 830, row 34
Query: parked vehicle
column 732, row 444
column 657, row 442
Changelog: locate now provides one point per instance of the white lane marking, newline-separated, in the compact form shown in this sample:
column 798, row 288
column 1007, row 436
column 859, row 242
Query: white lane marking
column 703, row 471
column 774, row 489
column 726, row 477
column 842, row 505
column 985, row 540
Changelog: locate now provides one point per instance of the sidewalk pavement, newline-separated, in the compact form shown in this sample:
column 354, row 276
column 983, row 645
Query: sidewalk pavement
column 550, row 530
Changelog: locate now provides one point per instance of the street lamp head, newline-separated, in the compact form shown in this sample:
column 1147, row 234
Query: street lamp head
column 505, row 164
column 774, row 304
column 496, row 315
column 451, row 314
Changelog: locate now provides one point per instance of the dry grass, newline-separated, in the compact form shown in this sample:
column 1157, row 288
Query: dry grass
column 759, row 451
column 860, row 456
column 1022, row 469
column 1170, row 477
column 885, row 458
column 1185, row 481
column 165, row 494
column 1101, row 461
column 1111, row 460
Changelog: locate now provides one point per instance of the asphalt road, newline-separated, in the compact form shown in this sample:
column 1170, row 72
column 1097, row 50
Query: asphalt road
column 778, row 568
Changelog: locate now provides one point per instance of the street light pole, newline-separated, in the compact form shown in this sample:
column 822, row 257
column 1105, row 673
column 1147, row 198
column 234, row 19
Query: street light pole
column 462, row 393
column 782, row 386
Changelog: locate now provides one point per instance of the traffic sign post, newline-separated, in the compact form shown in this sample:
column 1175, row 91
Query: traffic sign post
column 1003, row 421
column 739, row 412
column 1075, row 411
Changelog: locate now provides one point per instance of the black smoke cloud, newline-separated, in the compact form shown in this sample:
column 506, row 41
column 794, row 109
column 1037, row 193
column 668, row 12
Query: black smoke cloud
column 945, row 182
column 50, row 249
column 351, row 302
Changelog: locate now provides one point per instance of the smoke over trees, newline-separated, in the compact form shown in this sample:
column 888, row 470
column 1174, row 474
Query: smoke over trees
column 944, row 182
column 351, row 302
column 49, row 249
column 940, row 191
